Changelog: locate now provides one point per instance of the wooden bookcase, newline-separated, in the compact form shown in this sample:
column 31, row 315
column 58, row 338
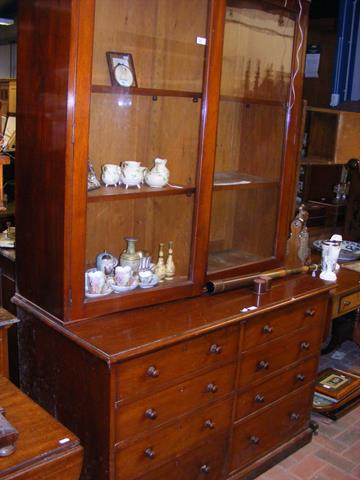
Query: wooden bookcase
column 332, row 136
column 213, row 96
column 159, row 382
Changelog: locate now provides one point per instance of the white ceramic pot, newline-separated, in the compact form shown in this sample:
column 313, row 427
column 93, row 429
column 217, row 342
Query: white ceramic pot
column 111, row 174
column 132, row 174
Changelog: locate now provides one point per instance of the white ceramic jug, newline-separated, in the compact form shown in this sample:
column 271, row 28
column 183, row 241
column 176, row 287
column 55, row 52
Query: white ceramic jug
column 159, row 175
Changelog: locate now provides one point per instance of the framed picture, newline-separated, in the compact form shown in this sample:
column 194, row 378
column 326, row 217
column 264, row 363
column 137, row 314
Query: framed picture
column 121, row 68
column 7, row 143
column 336, row 383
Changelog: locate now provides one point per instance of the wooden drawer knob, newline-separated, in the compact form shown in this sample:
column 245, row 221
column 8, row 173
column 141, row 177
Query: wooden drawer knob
column 259, row 398
column 294, row 417
column 267, row 329
column 209, row 424
column 310, row 312
column 254, row 440
column 153, row 372
column 262, row 365
column 149, row 453
column 300, row 377
column 215, row 348
column 212, row 388
column 346, row 303
column 205, row 469
column 305, row 346
column 151, row 414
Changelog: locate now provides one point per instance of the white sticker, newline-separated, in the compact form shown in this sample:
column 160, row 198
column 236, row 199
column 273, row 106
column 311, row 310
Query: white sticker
column 201, row 40
column 64, row 440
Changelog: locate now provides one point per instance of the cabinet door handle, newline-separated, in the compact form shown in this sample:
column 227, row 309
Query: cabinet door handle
column 262, row 365
column 205, row 469
column 305, row 346
column 300, row 377
column 209, row 424
column 346, row 303
column 151, row 414
column 294, row 417
column 212, row 388
column 310, row 312
column 267, row 329
column 254, row 440
column 149, row 453
column 259, row 398
column 215, row 348
column 153, row 372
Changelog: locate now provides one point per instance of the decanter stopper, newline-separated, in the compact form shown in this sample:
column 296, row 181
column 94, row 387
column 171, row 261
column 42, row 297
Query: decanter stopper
column 170, row 266
column 160, row 266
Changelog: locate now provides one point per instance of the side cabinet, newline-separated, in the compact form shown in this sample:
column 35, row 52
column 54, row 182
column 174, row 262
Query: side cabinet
column 217, row 405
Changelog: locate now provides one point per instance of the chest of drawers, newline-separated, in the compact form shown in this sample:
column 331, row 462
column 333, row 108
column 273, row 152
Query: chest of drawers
column 216, row 394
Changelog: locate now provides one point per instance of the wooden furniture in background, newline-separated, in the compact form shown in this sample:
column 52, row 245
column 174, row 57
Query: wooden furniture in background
column 7, row 96
column 322, row 32
column 6, row 321
column 333, row 136
column 4, row 160
column 44, row 449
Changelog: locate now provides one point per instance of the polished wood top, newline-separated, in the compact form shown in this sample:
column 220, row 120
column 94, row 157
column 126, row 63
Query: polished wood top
column 41, row 437
column 348, row 281
column 124, row 335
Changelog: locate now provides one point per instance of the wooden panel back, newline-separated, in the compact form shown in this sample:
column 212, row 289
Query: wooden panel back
column 162, row 42
column 132, row 127
column 348, row 137
column 323, row 134
column 152, row 220
column 252, row 66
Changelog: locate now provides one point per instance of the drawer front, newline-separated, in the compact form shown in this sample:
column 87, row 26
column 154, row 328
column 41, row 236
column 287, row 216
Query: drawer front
column 255, row 436
column 163, row 444
column 205, row 463
column 165, row 405
column 264, row 394
column 270, row 357
column 349, row 302
column 284, row 321
column 166, row 365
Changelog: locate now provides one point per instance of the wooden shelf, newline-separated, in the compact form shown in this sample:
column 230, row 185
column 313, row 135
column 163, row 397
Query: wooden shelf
column 233, row 180
column 178, row 281
column 314, row 160
column 149, row 92
column 226, row 259
column 121, row 193
column 254, row 100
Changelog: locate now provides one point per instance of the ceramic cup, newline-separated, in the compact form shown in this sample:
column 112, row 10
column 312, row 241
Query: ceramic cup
column 96, row 281
column 145, row 277
column 122, row 275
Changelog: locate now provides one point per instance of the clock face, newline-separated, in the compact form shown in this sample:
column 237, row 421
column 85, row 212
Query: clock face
column 123, row 75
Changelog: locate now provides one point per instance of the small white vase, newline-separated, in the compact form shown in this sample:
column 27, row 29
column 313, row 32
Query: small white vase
column 158, row 175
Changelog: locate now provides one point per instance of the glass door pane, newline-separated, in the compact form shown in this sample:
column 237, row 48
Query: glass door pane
column 153, row 112
column 255, row 88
